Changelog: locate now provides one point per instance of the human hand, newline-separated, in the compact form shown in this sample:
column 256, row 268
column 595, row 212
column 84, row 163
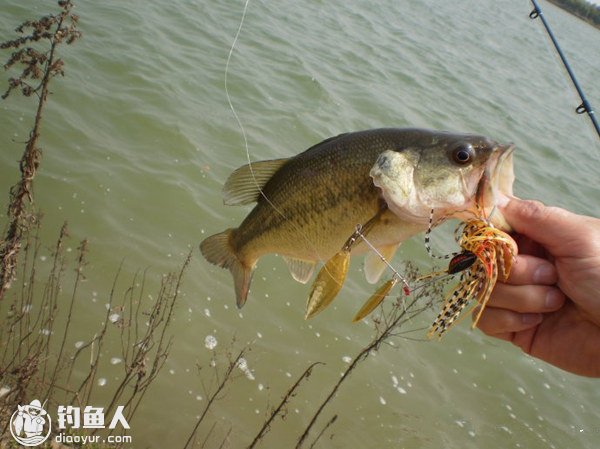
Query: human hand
column 550, row 305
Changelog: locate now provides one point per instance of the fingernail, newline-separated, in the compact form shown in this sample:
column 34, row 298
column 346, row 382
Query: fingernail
column 531, row 318
column 554, row 299
column 545, row 274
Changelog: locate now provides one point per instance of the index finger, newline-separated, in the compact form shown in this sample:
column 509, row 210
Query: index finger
column 531, row 270
column 552, row 227
column 529, row 246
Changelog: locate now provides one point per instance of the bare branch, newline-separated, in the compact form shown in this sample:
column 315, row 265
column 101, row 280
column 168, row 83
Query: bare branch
column 289, row 394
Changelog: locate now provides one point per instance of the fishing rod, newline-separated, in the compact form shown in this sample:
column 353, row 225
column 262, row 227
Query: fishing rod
column 585, row 106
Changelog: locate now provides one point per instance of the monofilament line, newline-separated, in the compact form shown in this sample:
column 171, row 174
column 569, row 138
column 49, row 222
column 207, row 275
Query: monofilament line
column 383, row 259
column 237, row 118
column 239, row 122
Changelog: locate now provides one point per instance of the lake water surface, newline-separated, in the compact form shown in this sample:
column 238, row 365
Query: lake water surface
column 139, row 138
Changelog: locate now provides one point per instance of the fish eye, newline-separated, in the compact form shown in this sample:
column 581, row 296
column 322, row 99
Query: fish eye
column 463, row 154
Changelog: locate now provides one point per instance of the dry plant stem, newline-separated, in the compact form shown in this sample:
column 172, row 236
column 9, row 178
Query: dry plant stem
column 28, row 362
column 79, row 276
column 289, row 394
column 391, row 323
column 19, row 219
column 24, row 349
column 152, row 349
column 31, row 368
column 361, row 355
column 29, row 281
column 18, row 313
column 208, row 434
column 322, row 432
column 32, row 340
column 51, row 292
column 168, row 300
column 49, row 28
column 23, row 335
column 213, row 397
column 226, row 439
column 84, row 391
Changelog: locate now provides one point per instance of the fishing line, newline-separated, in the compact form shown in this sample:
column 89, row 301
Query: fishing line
column 585, row 106
column 397, row 275
column 237, row 118
column 243, row 131
column 239, row 122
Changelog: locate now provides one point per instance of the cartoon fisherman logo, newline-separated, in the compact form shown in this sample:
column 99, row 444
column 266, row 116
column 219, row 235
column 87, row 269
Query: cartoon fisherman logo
column 30, row 424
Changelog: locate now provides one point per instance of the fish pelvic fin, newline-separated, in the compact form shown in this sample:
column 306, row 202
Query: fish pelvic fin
column 245, row 184
column 301, row 270
column 218, row 250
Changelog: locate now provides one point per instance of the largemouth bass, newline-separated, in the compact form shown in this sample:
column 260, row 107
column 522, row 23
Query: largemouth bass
column 391, row 179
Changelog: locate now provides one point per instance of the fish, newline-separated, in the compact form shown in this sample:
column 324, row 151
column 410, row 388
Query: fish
column 386, row 180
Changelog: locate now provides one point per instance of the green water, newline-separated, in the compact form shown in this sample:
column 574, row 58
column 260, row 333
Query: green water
column 138, row 139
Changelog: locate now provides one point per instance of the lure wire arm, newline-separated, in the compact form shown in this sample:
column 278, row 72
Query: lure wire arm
column 397, row 276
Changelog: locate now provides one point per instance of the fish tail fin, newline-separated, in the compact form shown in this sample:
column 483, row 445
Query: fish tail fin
column 218, row 250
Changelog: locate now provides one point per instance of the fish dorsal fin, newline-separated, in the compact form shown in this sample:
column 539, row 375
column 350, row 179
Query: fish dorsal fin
column 301, row 270
column 374, row 266
column 244, row 185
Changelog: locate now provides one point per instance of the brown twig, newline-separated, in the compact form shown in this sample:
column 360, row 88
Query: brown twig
column 232, row 365
column 386, row 328
column 290, row 393
column 42, row 66
column 153, row 348
column 322, row 432
column 78, row 278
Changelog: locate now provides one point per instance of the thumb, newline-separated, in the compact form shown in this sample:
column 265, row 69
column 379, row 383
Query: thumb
column 559, row 230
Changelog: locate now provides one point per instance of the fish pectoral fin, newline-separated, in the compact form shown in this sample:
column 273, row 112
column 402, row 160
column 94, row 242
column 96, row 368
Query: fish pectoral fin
column 245, row 184
column 301, row 270
column 374, row 265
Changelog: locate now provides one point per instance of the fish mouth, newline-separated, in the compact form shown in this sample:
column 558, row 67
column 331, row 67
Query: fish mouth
column 496, row 185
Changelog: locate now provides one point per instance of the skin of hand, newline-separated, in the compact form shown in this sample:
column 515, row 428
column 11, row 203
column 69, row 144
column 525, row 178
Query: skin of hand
column 550, row 305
